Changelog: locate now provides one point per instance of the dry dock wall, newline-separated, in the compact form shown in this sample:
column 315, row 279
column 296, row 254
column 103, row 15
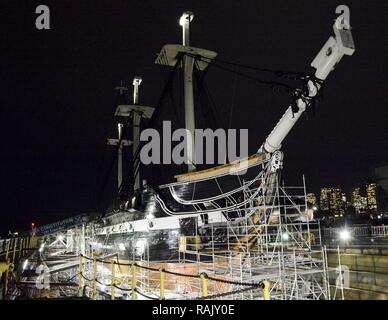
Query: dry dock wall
column 367, row 273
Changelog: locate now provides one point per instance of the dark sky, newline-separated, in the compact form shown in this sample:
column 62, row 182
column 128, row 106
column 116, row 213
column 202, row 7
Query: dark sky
column 57, row 96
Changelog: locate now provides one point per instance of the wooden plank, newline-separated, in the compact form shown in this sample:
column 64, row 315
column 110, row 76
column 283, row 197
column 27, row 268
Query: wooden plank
column 223, row 169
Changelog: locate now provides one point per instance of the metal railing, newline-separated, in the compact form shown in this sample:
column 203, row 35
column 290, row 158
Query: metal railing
column 364, row 231
column 130, row 282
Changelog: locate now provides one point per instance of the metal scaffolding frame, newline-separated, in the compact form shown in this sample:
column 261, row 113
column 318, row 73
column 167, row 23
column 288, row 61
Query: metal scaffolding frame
column 272, row 240
column 286, row 251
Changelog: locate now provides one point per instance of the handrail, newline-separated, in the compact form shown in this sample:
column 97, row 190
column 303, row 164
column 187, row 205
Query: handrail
column 203, row 276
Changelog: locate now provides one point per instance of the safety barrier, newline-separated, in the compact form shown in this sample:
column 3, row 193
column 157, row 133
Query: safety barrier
column 12, row 250
column 7, row 268
column 114, row 282
column 15, row 248
column 367, row 231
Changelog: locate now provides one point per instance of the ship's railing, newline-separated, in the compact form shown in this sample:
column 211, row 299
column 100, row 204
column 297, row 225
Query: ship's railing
column 226, row 192
column 242, row 201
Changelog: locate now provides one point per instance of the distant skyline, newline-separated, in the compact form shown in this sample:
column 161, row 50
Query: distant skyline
column 351, row 189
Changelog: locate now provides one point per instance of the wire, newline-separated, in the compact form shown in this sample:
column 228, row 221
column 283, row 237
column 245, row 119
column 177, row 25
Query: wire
column 232, row 102
column 202, row 87
column 279, row 73
column 272, row 84
column 157, row 113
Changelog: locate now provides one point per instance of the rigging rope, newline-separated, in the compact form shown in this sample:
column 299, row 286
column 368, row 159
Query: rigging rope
column 280, row 73
column 232, row 102
column 296, row 92
column 272, row 84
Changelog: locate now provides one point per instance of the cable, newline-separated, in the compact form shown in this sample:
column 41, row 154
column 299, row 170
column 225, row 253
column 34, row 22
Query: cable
column 272, row 84
column 202, row 87
column 151, row 124
column 114, row 158
column 232, row 102
column 279, row 73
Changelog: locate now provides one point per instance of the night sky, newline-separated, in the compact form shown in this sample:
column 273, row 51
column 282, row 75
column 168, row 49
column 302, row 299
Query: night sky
column 57, row 98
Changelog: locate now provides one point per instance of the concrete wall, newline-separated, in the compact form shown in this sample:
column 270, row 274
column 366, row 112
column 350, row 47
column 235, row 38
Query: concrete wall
column 368, row 273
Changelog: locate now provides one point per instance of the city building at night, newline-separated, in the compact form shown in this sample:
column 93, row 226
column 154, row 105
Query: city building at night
column 357, row 200
column 333, row 200
column 311, row 199
column 371, row 196
column 324, row 199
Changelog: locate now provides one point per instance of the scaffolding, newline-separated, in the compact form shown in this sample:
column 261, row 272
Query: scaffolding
column 270, row 241
column 286, row 252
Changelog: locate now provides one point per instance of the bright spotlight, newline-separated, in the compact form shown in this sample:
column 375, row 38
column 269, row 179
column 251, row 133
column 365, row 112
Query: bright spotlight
column 186, row 16
column 60, row 237
column 285, row 236
column 140, row 246
column 41, row 247
column 315, row 208
column 344, row 235
column 25, row 264
column 182, row 20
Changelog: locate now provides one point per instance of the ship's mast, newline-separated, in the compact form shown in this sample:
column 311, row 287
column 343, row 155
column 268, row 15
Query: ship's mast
column 136, row 119
column 120, row 126
column 188, row 64
column 169, row 55
column 136, row 112
column 120, row 142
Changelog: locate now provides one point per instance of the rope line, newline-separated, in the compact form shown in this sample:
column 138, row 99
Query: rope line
column 225, row 294
column 144, row 295
column 261, row 81
column 255, row 285
column 280, row 73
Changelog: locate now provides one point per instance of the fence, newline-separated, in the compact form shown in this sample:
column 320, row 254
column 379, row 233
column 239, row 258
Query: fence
column 131, row 283
column 364, row 231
